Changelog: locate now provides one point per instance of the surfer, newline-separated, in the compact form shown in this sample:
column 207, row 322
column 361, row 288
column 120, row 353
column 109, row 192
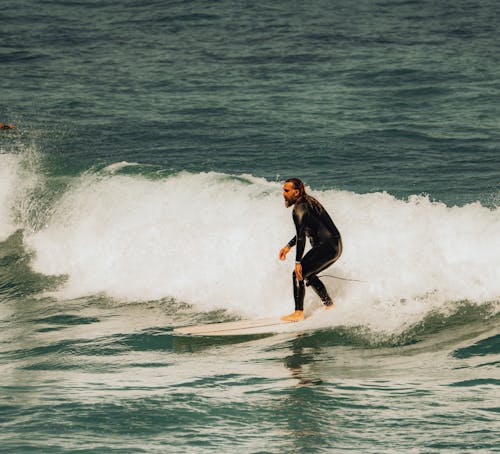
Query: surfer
column 312, row 221
column 6, row 126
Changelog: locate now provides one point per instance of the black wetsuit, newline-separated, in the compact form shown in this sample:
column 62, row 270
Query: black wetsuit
column 312, row 221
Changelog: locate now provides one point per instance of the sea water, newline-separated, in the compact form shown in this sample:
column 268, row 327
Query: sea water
column 141, row 191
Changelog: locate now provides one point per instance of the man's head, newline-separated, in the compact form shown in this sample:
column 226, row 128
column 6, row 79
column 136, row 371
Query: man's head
column 293, row 190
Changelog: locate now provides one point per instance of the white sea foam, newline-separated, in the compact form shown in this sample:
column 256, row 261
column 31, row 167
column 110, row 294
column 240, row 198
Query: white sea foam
column 18, row 178
column 212, row 241
column 8, row 176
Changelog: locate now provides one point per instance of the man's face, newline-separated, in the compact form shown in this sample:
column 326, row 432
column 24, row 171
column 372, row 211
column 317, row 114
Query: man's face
column 290, row 194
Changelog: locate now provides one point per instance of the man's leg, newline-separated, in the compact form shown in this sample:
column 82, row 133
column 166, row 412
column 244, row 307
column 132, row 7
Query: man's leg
column 299, row 291
column 320, row 290
column 314, row 262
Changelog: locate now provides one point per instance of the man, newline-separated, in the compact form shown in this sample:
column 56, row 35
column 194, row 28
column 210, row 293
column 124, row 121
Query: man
column 5, row 126
column 312, row 221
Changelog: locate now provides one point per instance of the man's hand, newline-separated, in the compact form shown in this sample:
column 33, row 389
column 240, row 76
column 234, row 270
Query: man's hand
column 284, row 251
column 298, row 271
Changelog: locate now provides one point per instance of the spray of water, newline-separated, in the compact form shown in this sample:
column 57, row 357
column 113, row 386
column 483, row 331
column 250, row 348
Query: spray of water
column 212, row 240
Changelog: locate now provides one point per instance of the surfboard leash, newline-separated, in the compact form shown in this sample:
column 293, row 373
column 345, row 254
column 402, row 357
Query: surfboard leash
column 342, row 278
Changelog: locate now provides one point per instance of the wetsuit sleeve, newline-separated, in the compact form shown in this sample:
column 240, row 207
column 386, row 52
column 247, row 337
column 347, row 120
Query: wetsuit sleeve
column 292, row 242
column 300, row 220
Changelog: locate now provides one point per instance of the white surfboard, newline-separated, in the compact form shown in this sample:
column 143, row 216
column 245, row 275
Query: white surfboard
column 237, row 328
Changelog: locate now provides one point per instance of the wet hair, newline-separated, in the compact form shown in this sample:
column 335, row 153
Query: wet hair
column 297, row 184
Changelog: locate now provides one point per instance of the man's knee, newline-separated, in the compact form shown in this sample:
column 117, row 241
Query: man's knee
column 311, row 280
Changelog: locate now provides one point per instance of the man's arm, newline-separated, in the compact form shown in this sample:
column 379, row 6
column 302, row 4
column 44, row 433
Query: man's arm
column 299, row 218
column 284, row 251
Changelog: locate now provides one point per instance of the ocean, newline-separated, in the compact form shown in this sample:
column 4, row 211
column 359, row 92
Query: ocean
column 141, row 191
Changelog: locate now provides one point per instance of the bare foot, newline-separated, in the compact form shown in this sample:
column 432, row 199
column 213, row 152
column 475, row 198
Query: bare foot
column 296, row 316
column 329, row 307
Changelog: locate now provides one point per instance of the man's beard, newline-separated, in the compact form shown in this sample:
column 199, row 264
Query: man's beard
column 290, row 202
